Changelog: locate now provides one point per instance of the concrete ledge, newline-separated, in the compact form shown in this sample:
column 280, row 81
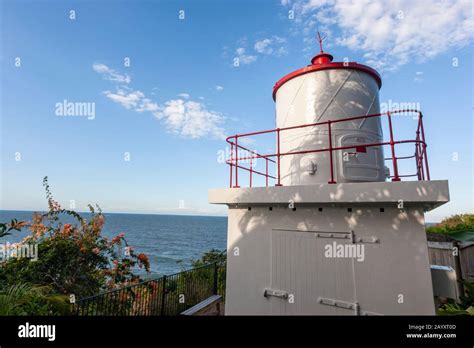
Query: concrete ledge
column 430, row 194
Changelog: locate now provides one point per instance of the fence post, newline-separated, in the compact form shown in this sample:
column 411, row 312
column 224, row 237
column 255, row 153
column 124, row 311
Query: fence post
column 215, row 279
column 163, row 296
column 458, row 267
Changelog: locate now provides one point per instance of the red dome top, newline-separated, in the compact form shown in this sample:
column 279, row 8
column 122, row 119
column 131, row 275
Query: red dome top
column 322, row 58
column 323, row 61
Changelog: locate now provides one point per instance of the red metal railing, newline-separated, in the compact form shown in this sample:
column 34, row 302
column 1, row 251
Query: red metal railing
column 420, row 156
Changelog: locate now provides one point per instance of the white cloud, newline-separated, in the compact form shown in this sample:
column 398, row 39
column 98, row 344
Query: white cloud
column 219, row 88
column 271, row 46
column 263, row 46
column 185, row 117
column 391, row 33
column 127, row 100
column 274, row 46
column 281, row 51
column 418, row 76
column 147, row 105
column 243, row 57
column 110, row 74
column 191, row 119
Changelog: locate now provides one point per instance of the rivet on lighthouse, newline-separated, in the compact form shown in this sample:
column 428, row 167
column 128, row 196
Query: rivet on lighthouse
column 337, row 227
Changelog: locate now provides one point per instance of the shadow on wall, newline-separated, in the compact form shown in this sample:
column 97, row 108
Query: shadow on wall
column 398, row 249
column 364, row 200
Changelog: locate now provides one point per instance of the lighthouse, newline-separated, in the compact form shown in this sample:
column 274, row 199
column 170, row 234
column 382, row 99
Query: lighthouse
column 337, row 224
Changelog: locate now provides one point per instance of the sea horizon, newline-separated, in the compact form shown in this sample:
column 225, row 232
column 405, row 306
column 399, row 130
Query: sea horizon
column 113, row 212
column 172, row 242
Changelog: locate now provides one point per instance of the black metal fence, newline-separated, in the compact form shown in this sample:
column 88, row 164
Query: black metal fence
column 168, row 295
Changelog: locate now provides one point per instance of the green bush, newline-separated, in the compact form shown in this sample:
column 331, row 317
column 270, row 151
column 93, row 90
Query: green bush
column 211, row 256
column 27, row 299
column 218, row 257
column 454, row 223
column 73, row 259
column 465, row 306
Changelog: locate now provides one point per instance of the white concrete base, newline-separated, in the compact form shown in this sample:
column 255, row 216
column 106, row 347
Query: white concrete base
column 428, row 194
column 286, row 250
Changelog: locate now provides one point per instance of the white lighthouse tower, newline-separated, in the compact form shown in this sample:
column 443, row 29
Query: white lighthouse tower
column 336, row 228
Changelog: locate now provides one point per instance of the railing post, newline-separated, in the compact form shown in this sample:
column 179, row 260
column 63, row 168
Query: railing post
column 417, row 153
column 162, row 310
column 417, row 160
column 392, row 146
column 424, row 148
column 278, row 158
column 332, row 181
column 230, row 162
column 422, row 168
column 214, row 291
column 236, row 162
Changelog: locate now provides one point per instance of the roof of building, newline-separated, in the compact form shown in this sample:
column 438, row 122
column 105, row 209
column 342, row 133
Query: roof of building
column 323, row 61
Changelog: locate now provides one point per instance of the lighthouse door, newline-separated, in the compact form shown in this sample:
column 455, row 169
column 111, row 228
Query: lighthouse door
column 302, row 275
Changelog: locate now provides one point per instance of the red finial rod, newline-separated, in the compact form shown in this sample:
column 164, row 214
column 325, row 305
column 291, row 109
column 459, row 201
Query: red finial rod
column 320, row 39
column 321, row 58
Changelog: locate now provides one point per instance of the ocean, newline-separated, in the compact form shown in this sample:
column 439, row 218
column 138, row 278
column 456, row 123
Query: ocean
column 170, row 241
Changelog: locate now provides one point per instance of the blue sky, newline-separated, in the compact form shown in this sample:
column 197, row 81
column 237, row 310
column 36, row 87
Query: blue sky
column 168, row 111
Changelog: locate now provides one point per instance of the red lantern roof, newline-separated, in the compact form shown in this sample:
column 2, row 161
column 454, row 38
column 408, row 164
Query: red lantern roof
column 323, row 61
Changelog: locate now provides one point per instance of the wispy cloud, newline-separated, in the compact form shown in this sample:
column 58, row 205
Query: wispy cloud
column 271, row 46
column 263, row 46
column 390, row 33
column 110, row 74
column 182, row 116
column 147, row 105
column 191, row 119
column 243, row 57
column 219, row 88
column 127, row 100
column 418, row 76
